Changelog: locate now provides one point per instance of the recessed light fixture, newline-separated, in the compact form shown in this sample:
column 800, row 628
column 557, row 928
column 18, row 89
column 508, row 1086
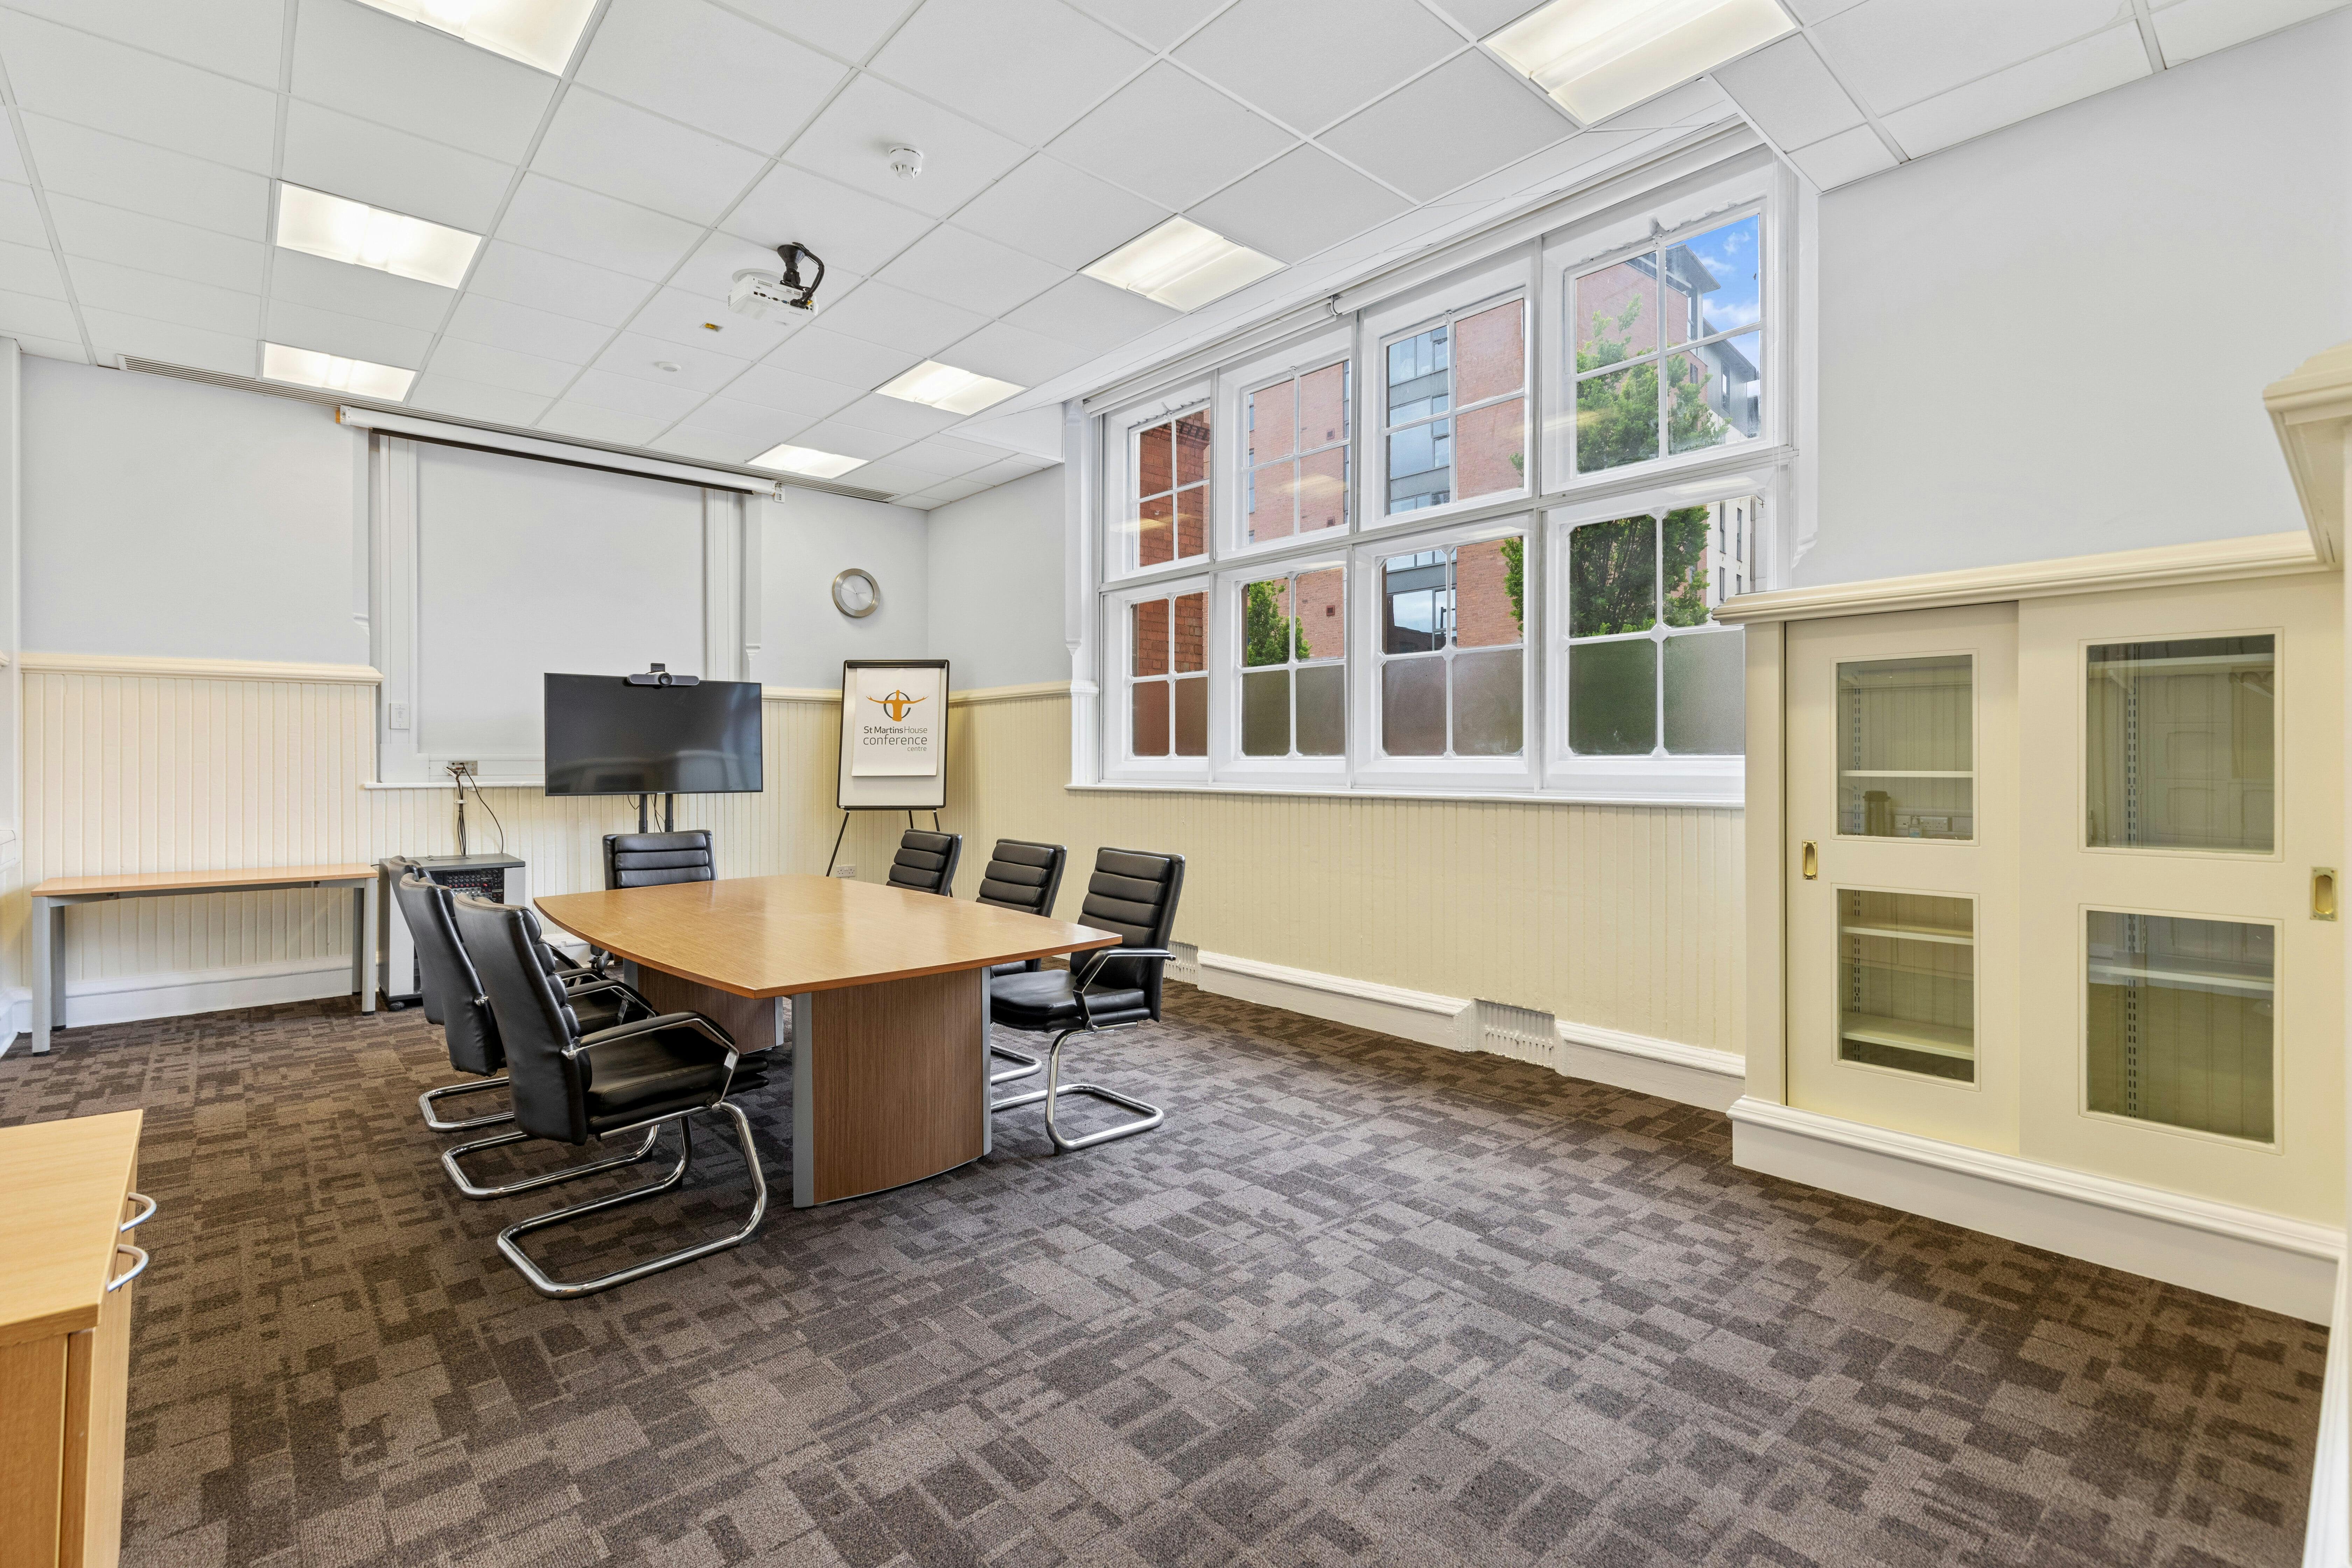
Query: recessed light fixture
column 1182, row 265
column 807, row 461
column 342, row 229
column 308, row 367
column 945, row 386
column 540, row 33
column 1597, row 57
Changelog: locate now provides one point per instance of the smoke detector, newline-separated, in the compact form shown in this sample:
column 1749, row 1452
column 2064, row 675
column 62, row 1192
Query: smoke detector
column 906, row 162
column 755, row 292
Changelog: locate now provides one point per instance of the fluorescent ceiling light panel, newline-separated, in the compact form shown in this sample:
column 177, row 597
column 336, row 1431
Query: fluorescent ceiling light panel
column 1597, row 57
column 1182, row 265
column 342, row 229
column 807, row 461
column 540, row 33
column 308, row 367
column 945, row 386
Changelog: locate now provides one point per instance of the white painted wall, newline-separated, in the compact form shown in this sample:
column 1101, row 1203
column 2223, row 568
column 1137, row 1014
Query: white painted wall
column 807, row 538
column 171, row 518
column 996, row 567
column 2052, row 340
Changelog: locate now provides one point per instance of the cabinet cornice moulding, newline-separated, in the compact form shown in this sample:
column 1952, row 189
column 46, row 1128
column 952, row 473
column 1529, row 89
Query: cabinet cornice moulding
column 2310, row 410
column 157, row 665
column 2208, row 560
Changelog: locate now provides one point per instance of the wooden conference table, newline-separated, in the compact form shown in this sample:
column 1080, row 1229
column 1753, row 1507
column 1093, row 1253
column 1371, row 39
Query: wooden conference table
column 889, row 1017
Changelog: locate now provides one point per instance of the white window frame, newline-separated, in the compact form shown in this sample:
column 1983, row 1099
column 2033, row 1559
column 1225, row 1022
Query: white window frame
column 1118, row 665
column 1234, row 386
column 1446, row 302
column 1120, row 433
column 1225, row 697
column 1512, row 773
column 1656, row 775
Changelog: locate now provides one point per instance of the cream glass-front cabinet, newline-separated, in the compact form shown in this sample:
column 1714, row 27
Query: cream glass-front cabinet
column 2058, row 871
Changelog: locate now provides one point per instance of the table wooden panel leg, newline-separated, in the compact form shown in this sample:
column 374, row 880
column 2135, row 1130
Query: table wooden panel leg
column 750, row 1019
column 889, row 1084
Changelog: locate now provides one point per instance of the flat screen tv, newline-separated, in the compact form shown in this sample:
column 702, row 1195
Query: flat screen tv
column 605, row 736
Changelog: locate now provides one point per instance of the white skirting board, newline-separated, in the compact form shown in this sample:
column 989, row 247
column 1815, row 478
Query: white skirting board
column 129, row 998
column 2241, row 1255
column 1692, row 1075
column 2327, row 1528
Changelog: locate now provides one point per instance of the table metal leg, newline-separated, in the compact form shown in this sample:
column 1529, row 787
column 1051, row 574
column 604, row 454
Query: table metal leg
column 363, row 939
column 44, row 973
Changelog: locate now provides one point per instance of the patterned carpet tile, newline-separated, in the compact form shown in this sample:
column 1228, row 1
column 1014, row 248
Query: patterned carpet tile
column 1359, row 1302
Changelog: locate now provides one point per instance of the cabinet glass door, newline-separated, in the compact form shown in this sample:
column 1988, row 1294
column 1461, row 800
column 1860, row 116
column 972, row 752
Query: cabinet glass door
column 1905, row 747
column 2179, row 1024
column 2180, row 745
column 1907, row 983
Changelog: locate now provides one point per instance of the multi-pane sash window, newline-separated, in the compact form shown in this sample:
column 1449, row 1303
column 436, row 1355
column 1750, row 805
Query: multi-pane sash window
column 1669, row 349
column 1456, row 408
column 1453, row 657
column 1294, row 632
column 1172, row 490
column 1649, row 672
column 1168, row 690
column 1295, row 469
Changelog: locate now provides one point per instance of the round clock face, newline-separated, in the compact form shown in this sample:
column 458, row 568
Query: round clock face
column 855, row 593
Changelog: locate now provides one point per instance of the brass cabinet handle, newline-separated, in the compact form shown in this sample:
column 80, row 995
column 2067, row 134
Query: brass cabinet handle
column 1812, row 863
column 2323, row 892
column 133, row 1272
column 143, row 1216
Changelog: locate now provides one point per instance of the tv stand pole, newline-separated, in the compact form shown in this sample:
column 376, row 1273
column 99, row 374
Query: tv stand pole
column 645, row 807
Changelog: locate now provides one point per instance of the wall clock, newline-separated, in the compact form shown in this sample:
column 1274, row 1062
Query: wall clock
column 855, row 593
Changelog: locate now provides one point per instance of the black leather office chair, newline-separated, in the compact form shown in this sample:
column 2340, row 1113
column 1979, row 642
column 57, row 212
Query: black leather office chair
column 1025, row 877
column 1133, row 893
column 925, row 862
column 651, row 859
column 453, row 999
column 569, row 1086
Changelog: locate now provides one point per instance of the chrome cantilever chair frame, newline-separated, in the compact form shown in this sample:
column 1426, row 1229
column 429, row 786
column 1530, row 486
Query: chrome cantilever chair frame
column 511, row 1238
column 1147, row 1116
column 425, row 1102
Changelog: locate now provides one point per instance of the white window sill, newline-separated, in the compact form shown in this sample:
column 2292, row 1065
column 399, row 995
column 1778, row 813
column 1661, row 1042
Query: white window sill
column 1717, row 800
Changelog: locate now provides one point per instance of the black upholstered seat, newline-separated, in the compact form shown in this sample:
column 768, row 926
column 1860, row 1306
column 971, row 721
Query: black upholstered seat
column 925, row 862
column 569, row 1086
column 653, row 859
column 1025, row 877
column 1131, row 893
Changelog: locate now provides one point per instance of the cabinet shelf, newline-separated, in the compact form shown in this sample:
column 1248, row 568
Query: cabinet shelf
column 2183, row 979
column 1910, row 1035
column 1905, row 774
column 1912, row 933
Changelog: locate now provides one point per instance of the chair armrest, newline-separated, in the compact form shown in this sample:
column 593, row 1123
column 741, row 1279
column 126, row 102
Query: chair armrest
column 1085, row 973
column 654, row 1025
column 629, row 997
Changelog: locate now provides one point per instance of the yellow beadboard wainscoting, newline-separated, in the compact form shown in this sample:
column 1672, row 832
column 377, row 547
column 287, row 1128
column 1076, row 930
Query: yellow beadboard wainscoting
column 1623, row 923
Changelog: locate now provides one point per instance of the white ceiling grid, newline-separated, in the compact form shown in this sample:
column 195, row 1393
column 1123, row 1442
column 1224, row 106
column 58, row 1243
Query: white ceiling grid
column 689, row 137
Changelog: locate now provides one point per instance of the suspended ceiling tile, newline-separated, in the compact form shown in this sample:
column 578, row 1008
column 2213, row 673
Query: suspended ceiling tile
column 438, row 393
column 2188, row 28
column 752, row 427
column 882, row 313
column 1467, row 118
column 236, row 37
column 708, row 67
column 602, row 144
column 357, row 291
column 494, row 366
column 851, row 140
column 977, row 274
column 2103, row 60
column 115, row 332
column 1844, row 158
column 1064, row 214
column 109, row 287
column 888, row 477
column 1170, row 138
column 667, row 400
column 594, row 422
column 52, row 348
column 1362, row 50
column 1480, row 17
column 588, row 225
column 1899, row 52
column 847, row 440
column 942, row 456
column 501, row 323
column 689, row 440
column 1303, row 202
column 941, row 495
column 851, row 229
column 544, row 281
column 155, row 243
column 1156, row 23
column 1812, row 11
column 1017, row 354
column 31, row 270
column 361, row 61
column 110, row 87
column 1788, row 93
column 38, row 314
column 386, row 168
column 1025, row 67
column 834, row 356
column 789, row 392
column 113, row 169
column 354, row 337
column 704, row 371
column 850, row 31
column 895, row 416
column 1092, row 315
column 20, row 216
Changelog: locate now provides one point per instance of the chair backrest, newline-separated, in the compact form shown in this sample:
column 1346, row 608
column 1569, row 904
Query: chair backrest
column 927, row 862
column 650, row 859
column 536, row 1024
column 1134, row 893
column 452, row 992
column 1024, row 876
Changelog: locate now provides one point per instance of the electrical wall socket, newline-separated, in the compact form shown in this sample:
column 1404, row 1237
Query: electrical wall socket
column 397, row 715
column 849, row 871
column 471, row 770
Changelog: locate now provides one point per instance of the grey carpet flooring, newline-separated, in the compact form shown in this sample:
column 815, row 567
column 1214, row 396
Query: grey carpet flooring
column 1358, row 1302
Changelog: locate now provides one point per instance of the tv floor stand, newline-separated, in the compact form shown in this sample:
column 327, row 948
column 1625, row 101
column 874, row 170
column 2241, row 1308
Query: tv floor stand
column 670, row 812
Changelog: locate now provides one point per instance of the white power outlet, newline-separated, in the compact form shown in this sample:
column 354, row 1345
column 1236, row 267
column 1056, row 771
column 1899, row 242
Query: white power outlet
column 397, row 718
column 848, row 871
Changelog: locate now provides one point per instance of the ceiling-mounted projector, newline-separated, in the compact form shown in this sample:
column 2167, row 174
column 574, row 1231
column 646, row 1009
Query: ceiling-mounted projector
column 755, row 292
